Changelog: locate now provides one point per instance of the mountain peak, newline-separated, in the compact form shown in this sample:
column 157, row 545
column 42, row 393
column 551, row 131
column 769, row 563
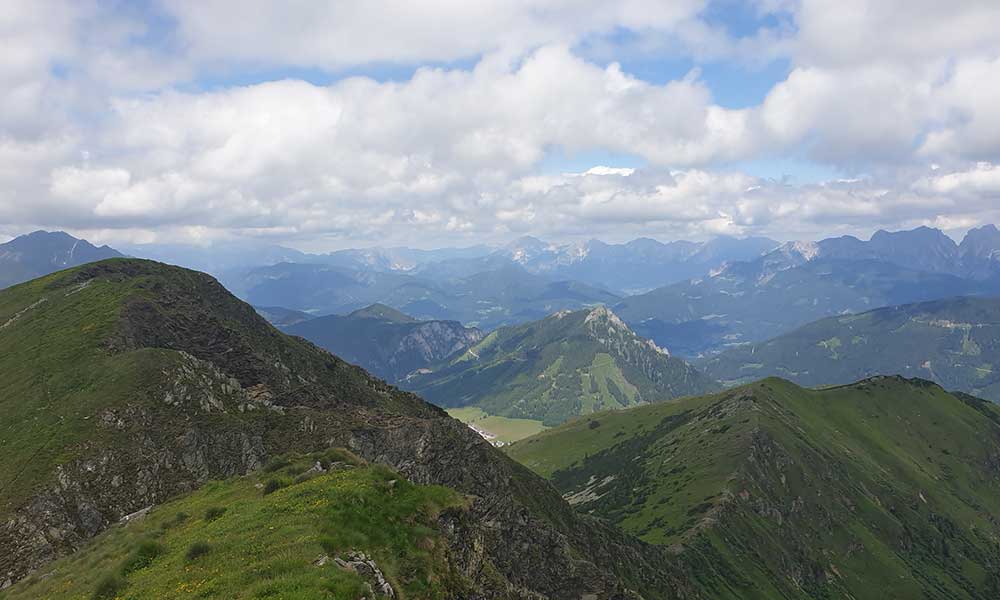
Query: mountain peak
column 560, row 367
column 923, row 234
column 383, row 313
column 42, row 252
column 981, row 242
column 603, row 313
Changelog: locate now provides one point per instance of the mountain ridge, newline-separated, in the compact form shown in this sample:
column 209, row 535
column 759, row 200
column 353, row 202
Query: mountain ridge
column 954, row 342
column 570, row 363
column 774, row 490
column 129, row 382
column 387, row 342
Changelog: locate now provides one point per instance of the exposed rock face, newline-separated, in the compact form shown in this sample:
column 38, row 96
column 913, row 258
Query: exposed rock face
column 229, row 391
column 386, row 342
column 360, row 563
column 980, row 251
column 434, row 341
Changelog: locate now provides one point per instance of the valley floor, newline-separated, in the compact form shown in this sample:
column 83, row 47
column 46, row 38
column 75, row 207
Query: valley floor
column 499, row 431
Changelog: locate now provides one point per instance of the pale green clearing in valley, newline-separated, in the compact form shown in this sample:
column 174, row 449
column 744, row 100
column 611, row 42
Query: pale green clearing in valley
column 505, row 429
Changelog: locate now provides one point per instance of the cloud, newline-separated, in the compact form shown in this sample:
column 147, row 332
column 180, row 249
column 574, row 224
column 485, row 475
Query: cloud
column 292, row 152
column 101, row 129
column 351, row 32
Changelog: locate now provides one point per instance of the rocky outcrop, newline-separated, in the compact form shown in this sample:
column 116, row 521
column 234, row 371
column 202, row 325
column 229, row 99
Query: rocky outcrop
column 358, row 562
column 434, row 341
column 386, row 342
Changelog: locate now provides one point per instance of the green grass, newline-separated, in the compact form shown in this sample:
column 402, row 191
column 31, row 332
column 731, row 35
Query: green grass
column 772, row 490
column 948, row 341
column 506, row 429
column 266, row 545
column 49, row 408
column 565, row 365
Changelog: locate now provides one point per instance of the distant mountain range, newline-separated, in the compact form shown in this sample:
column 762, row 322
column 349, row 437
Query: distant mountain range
column 42, row 252
column 797, row 283
column 719, row 294
column 568, row 364
column 386, row 342
column 955, row 342
column 485, row 300
column 920, row 249
column 638, row 265
column 282, row 317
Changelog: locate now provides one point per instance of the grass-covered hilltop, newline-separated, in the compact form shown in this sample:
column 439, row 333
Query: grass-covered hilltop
column 568, row 364
column 128, row 384
column 955, row 342
column 887, row 488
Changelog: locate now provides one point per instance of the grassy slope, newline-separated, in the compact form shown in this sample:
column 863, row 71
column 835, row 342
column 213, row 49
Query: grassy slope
column 560, row 367
column 47, row 407
column 955, row 342
column 265, row 545
column 777, row 491
column 60, row 374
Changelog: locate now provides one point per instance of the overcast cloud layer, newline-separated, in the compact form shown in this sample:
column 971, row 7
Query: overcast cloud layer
column 434, row 123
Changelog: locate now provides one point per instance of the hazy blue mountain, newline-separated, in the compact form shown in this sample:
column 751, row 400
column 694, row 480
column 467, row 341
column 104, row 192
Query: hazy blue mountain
column 316, row 288
column 485, row 299
column 639, row 265
column 400, row 258
column 386, row 342
column 920, row 249
column 751, row 302
column 218, row 258
column 42, row 252
column 980, row 252
column 282, row 317
column 225, row 257
column 568, row 364
column 636, row 266
column 955, row 342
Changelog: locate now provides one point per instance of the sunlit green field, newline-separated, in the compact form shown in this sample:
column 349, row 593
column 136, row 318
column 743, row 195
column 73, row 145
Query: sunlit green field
column 507, row 430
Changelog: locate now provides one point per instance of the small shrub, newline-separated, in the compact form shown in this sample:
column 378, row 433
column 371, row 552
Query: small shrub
column 108, row 587
column 174, row 521
column 305, row 477
column 426, row 543
column 274, row 485
column 142, row 556
column 276, row 464
column 214, row 512
column 340, row 455
column 197, row 550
